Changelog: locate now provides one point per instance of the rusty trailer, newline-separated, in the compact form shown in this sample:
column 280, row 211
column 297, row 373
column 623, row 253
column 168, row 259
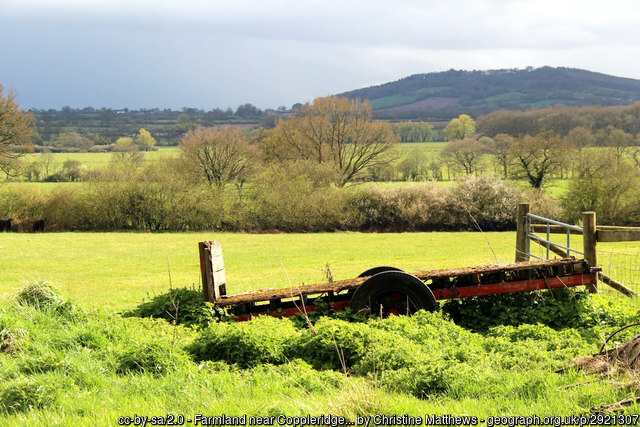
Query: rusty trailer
column 389, row 290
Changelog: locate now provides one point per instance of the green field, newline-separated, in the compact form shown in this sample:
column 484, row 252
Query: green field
column 117, row 270
column 102, row 160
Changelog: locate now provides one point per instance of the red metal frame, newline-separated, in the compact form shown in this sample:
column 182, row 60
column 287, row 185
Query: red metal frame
column 288, row 312
column 519, row 286
column 451, row 293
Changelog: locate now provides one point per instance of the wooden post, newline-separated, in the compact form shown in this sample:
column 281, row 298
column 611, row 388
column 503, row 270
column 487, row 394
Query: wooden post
column 212, row 270
column 521, row 232
column 589, row 243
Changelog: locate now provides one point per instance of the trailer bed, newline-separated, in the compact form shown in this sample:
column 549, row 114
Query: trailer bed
column 340, row 294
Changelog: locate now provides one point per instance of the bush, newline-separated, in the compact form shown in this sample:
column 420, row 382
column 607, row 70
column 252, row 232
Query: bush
column 333, row 344
column 284, row 200
column 20, row 201
column 483, row 202
column 612, row 195
column 558, row 308
column 418, row 207
column 486, row 202
column 293, row 197
column 261, row 340
column 180, row 305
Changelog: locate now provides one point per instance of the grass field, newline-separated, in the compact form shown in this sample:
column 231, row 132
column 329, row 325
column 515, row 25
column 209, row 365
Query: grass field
column 117, row 270
column 102, row 160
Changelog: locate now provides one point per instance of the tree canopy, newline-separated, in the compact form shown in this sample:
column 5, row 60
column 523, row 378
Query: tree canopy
column 145, row 140
column 220, row 155
column 15, row 129
column 335, row 130
column 460, row 128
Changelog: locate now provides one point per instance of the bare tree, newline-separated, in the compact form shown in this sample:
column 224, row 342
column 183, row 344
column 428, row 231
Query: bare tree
column 220, row 155
column 539, row 156
column 466, row 153
column 335, row 130
column 500, row 147
column 15, row 131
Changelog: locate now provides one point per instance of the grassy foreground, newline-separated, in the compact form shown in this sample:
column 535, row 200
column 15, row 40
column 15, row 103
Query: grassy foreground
column 66, row 364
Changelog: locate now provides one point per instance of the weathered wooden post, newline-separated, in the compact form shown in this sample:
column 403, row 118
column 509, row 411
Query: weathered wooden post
column 521, row 232
column 212, row 270
column 589, row 243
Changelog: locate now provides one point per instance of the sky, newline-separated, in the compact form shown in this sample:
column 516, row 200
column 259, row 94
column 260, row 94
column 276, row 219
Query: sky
column 270, row 53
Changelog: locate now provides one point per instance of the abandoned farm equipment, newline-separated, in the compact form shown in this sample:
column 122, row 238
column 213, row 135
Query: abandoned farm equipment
column 388, row 290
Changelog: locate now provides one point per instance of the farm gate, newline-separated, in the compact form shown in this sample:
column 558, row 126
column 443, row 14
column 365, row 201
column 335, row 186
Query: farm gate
column 620, row 269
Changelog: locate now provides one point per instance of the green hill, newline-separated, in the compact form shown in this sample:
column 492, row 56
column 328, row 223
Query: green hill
column 447, row 94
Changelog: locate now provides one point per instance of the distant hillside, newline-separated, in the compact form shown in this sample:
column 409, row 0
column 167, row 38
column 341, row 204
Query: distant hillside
column 447, row 94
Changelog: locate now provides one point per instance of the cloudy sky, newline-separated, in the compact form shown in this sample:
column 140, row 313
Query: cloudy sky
column 223, row 53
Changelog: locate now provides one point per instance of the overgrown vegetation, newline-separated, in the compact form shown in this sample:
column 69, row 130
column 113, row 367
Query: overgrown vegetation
column 62, row 368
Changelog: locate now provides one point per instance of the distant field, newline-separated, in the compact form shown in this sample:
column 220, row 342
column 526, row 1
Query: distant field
column 101, row 160
column 428, row 147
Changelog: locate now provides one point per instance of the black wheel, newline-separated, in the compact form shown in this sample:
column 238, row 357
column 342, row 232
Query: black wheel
column 375, row 270
column 393, row 292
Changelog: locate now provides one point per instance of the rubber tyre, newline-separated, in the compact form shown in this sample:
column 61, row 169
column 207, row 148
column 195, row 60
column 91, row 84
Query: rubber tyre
column 393, row 292
column 375, row 270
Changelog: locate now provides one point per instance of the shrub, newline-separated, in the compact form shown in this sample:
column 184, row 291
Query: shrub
column 558, row 308
column 180, row 305
column 287, row 201
column 333, row 344
column 612, row 195
column 418, row 207
column 261, row 340
column 485, row 202
column 20, row 201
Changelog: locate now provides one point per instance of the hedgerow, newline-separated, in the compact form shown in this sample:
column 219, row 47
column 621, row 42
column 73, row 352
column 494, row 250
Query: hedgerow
column 286, row 199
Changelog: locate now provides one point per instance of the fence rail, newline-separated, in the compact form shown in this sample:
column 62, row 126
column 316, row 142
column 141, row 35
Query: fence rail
column 528, row 224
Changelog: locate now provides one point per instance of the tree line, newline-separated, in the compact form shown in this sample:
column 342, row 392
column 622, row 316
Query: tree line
column 104, row 126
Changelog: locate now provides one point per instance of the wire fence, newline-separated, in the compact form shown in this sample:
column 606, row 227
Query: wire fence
column 622, row 266
column 619, row 262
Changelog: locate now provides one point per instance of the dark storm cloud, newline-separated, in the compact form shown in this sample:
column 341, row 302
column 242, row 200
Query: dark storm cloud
column 270, row 53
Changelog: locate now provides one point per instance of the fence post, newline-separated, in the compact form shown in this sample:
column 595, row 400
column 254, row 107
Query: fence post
column 212, row 270
column 589, row 243
column 521, row 232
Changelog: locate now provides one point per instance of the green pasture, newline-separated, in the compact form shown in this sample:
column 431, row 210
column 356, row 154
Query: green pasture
column 118, row 270
column 101, row 160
